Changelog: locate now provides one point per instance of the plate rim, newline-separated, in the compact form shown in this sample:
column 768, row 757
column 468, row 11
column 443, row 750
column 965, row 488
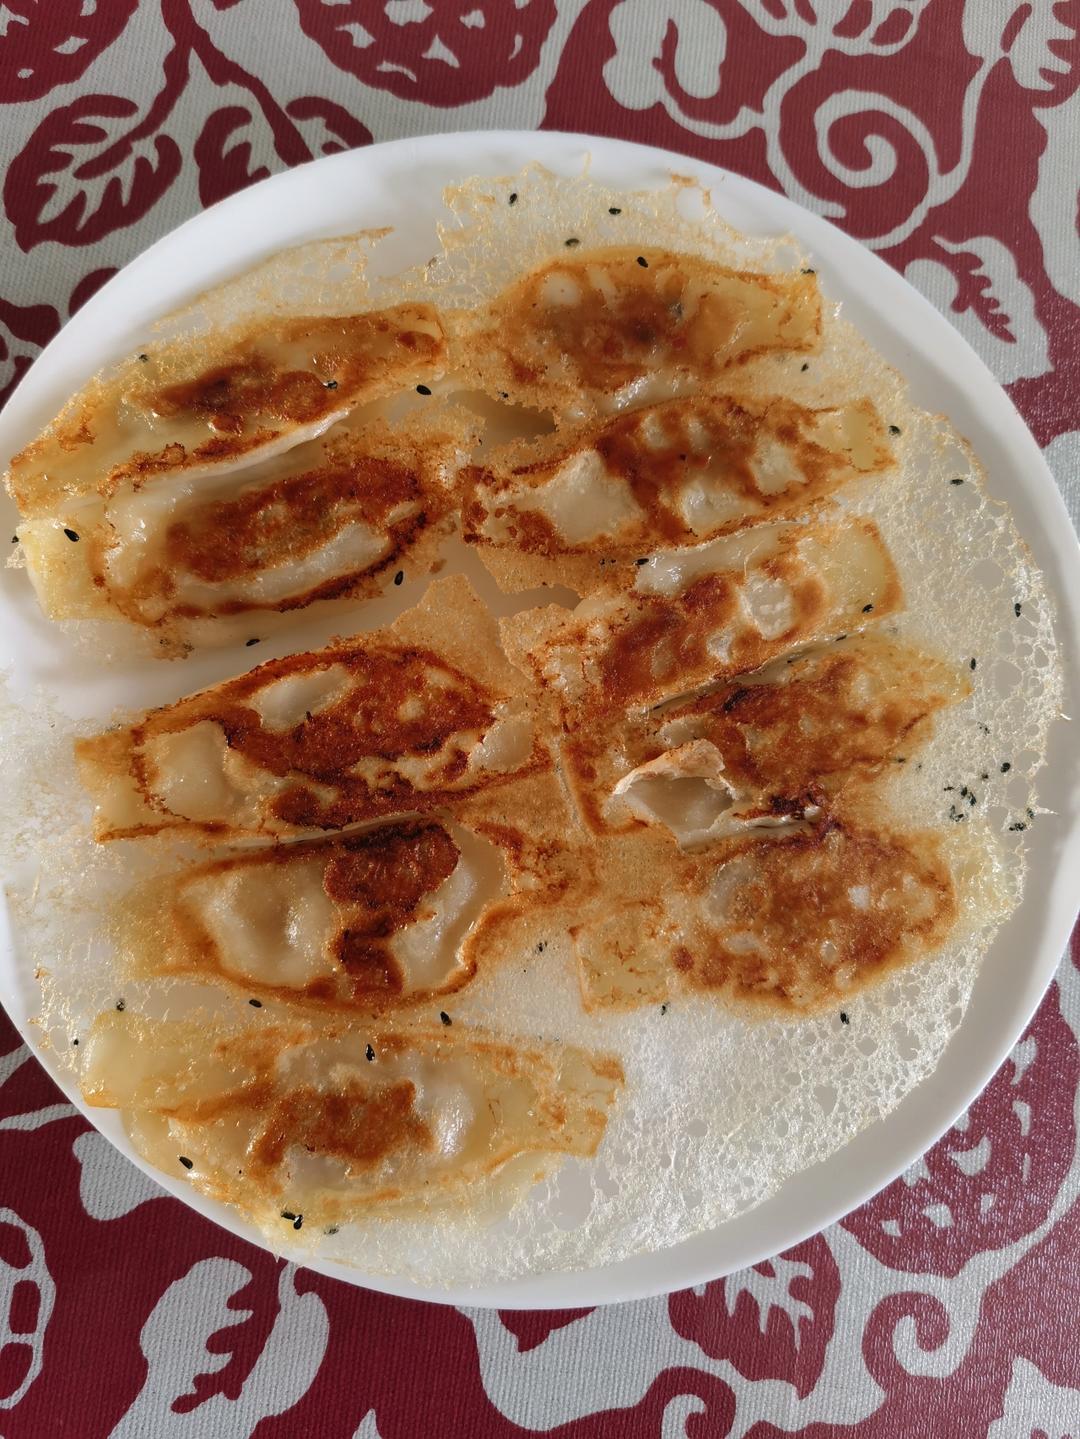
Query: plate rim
column 711, row 1254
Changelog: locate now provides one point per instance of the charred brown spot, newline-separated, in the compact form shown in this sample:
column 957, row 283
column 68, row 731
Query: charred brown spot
column 660, row 639
column 384, row 875
column 391, row 868
column 225, row 398
column 368, row 963
column 793, row 806
column 358, row 1125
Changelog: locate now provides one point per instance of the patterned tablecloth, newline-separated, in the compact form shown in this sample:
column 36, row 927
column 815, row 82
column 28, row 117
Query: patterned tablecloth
column 945, row 134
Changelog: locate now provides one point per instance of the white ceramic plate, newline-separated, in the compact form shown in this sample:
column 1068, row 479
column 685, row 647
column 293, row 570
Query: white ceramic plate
column 400, row 184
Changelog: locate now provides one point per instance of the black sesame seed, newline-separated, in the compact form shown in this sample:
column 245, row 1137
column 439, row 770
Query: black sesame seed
column 120, row 1006
column 642, row 561
column 185, row 1161
column 288, row 1214
column 663, row 1009
column 840, row 637
column 369, row 1054
column 74, row 1041
column 964, row 791
column 843, row 1018
column 808, row 271
column 14, row 539
column 1016, row 609
column 573, row 240
column 423, row 390
column 504, row 395
column 445, row 1017
column 866, row 609
column 144, row 358
column 298, row 1221
column 399, row 578
column 614, row 210
column 1019, row 825
column 1005, row 767
column 249, row 643
column 985, row 774
column 1030, row 813
column 255, row 1003
column 894, row 429
column 972, row 662
column 330, row 385
column 899, row 759
column 948, row 787
column 71, row 534
column 513, row 198
column 957, row 480
column 541, row 946
column 805, row 366
column 643, row 262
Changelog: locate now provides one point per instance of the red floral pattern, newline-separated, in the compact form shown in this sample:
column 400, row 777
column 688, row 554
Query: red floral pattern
column 443, row 53
column 43, row 47
column 978, row 1189
column 944, row 134
column 773, row 1321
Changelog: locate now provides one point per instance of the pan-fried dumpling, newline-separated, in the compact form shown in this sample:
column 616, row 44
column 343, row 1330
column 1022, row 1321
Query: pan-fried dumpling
column 671, row 474
column 762, row 748
column 259, row 392
column 372, row 920
column 331, row 518
column 796, row 920
column 200, row 406
column 609, row 328
column 425, row 713
column 328, row 1123
column 698, row 616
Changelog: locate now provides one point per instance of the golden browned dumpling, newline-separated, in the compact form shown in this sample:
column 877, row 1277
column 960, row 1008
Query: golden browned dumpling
column 324, row 1123
column 696, row 616
column 761, row 748
column 181, row 557
column 374, row 920
column 197, row 408
column 794, row 919
column 603, row 329
column 426, row 713
column 564, row 509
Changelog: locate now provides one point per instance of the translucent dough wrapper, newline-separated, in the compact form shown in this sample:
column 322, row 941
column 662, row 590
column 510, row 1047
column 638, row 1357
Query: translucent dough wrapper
column 330, row 1123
